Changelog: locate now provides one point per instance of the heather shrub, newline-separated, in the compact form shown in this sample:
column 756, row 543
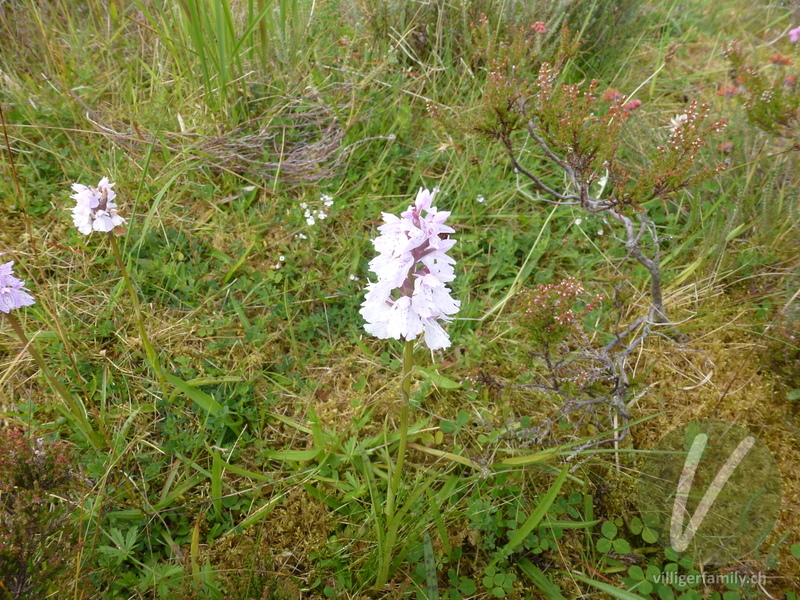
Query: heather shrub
column 36, row 537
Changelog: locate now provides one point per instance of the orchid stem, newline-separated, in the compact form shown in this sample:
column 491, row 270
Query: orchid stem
column 405, row 392
column 397, row 475
column 150, row 351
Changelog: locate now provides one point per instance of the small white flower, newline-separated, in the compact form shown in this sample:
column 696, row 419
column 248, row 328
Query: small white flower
column 599, row 232
column 310, row 220
column 303, row 205
column 327, row 200
column 282, row 258
column 677, row 122
column 601, row 183
column 578, row 221
column 481, row 199
column 301, row 236
column 353, row 277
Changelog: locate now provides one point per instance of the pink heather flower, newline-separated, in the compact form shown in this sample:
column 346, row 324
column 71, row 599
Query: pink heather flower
column 410, row 296
column 779, row 60
column 13, row 294
column 794, row 35
column 95, row 209
column 631, row 106
column 729, row 91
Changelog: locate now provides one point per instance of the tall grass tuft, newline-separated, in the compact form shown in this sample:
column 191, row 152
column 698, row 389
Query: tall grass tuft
column 230, row 49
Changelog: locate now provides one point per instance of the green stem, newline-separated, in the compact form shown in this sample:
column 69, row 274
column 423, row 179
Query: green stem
column 394, row 486
column 405, row 392
column 76, row 412
column 150, row 351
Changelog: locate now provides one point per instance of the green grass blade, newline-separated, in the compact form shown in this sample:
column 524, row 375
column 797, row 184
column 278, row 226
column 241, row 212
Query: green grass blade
column 608, row 589
column 216, row 484
column 535, row 518
column 202, row 399
column 550, row 590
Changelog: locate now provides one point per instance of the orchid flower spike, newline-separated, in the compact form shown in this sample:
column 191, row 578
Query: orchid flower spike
column 13, row 293
column 410, row 296
column 94, row 208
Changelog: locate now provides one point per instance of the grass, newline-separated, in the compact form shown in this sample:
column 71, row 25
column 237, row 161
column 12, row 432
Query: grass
column 262, row 470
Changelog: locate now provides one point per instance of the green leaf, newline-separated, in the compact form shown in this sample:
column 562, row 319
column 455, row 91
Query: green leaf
column 603, row 545
column 292, row 455
column 666, row 593
column 555, row 525
column 232, row 271
column 649, row 535
column 467, row 586
column 259, row 514
column 550, row 590
column 636, row 526
column 671, row 554
column 216, row 484
column 636, row 572
column 508, row 586
column 609, row 530
column 431, row 579
column 645, row 587
column 533, row 521
column 796, row 550
column 244, row 472
column 447, row 426
column 681, row 584
column 608, row 589
column 527, row 459
column 651, row 521
column 205, row 401
column 694, row 578
column 621, row 546
column 793, row 395
column 439, row 381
